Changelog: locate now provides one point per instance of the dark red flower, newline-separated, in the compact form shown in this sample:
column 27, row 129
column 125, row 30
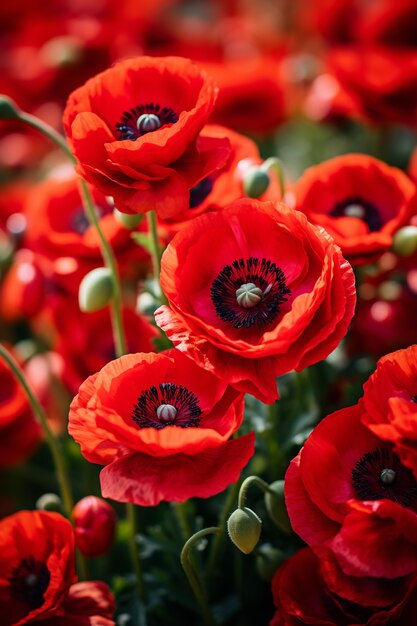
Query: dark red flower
column 273, row 294
column 382, row 81
column 352, row 500
column 19, row 431
column 390, row 400
column 94, row 525
column 89, row 603
column 152, row 417
column 85, row 340
column 360, row 201
column 226, row 185
column 303, row 595
column 36, row 565
column 134, row 130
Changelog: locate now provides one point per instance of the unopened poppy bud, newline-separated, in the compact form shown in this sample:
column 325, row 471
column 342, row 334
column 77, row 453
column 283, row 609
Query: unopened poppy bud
column 94, row 525
column 255, row 182
column 126, row 220
column 405, row 241
column 275, row 505
column 268, row 560
column 8, row 109
column 49, row 502
column 96, row 290
column 244, row 528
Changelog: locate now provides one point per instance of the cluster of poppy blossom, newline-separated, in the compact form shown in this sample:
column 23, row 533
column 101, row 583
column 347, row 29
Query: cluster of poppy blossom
column 263, row 275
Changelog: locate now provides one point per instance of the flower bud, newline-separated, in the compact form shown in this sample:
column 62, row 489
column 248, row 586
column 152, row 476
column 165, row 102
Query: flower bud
column 275, row 505
column 268, row 560
column 49, row 502
column 255, row 182
column 8, row 109
column 94, row 525
column 126, row 220
column 405, row 241
column 96, row 290
column 244, row 528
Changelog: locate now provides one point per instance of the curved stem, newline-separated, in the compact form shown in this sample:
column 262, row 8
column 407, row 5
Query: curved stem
column 247, row 483
column 47, row 130
column 181, row 515
column 217, row 541
column 134, row 549
column 192, row 576
column 52, row 442
column 108, row 256
column 275, row 165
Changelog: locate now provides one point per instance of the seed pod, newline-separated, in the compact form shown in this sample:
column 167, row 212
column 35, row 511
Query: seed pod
column 256, row 182
column 405, row 241
column 96, row 290
column 275, row 505
column 244, row 528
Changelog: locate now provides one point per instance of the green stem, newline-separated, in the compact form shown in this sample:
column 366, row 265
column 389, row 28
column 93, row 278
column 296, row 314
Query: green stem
column 217, row 541
column 247, row 483
column 53, row 443
column 156, row 253
column 192, row 576
column 108, row 256
column 47, row 130
column 181, row 515
column 134, row 549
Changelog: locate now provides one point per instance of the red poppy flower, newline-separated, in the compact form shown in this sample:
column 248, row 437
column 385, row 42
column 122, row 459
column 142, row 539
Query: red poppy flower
column 85, row 340
column 251, row 93
column 89, row 603
column 360, row 201
column 302, row 596
column 36, row 565
column 273, row 294
column 390, row 400
column 134, row 130
column 149, row 417
column 347, row 484
column 226, row 185
column 382, row 81
column 19, row 431
column 57, row 225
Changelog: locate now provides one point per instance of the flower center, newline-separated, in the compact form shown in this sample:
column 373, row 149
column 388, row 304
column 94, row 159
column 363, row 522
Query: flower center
column 167, row 405
column 362, row 209
column 249, row 291
column 380, row 475
column 143, row 119
column 29, row 581
column 199, row 192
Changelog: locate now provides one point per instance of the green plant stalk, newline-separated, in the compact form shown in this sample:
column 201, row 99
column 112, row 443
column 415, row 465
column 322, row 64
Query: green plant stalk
column 250, row 480
column 156, row 253
column 181, row 515
column 192, row 576
column 110, row 262
column 134, row 549
column 48, row 131
column 54, row 446
column 224, row 515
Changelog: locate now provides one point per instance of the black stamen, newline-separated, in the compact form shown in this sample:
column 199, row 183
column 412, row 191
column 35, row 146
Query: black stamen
column 127, row 127
column 369, row 478
column 29, row 581
column 364, row 209
column 266, row 275
column 200, row 191
column 186, row 403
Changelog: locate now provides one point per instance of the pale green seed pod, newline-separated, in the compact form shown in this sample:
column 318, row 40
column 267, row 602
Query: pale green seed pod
column 275, row 505
column 404, row 242
column 8, row 109
column 96, row 290
column 244, row 528
column 256, row 182
column 128, row 221
column 49, row 502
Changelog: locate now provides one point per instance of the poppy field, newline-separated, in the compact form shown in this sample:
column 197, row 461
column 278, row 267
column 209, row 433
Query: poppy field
column 208, row 305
